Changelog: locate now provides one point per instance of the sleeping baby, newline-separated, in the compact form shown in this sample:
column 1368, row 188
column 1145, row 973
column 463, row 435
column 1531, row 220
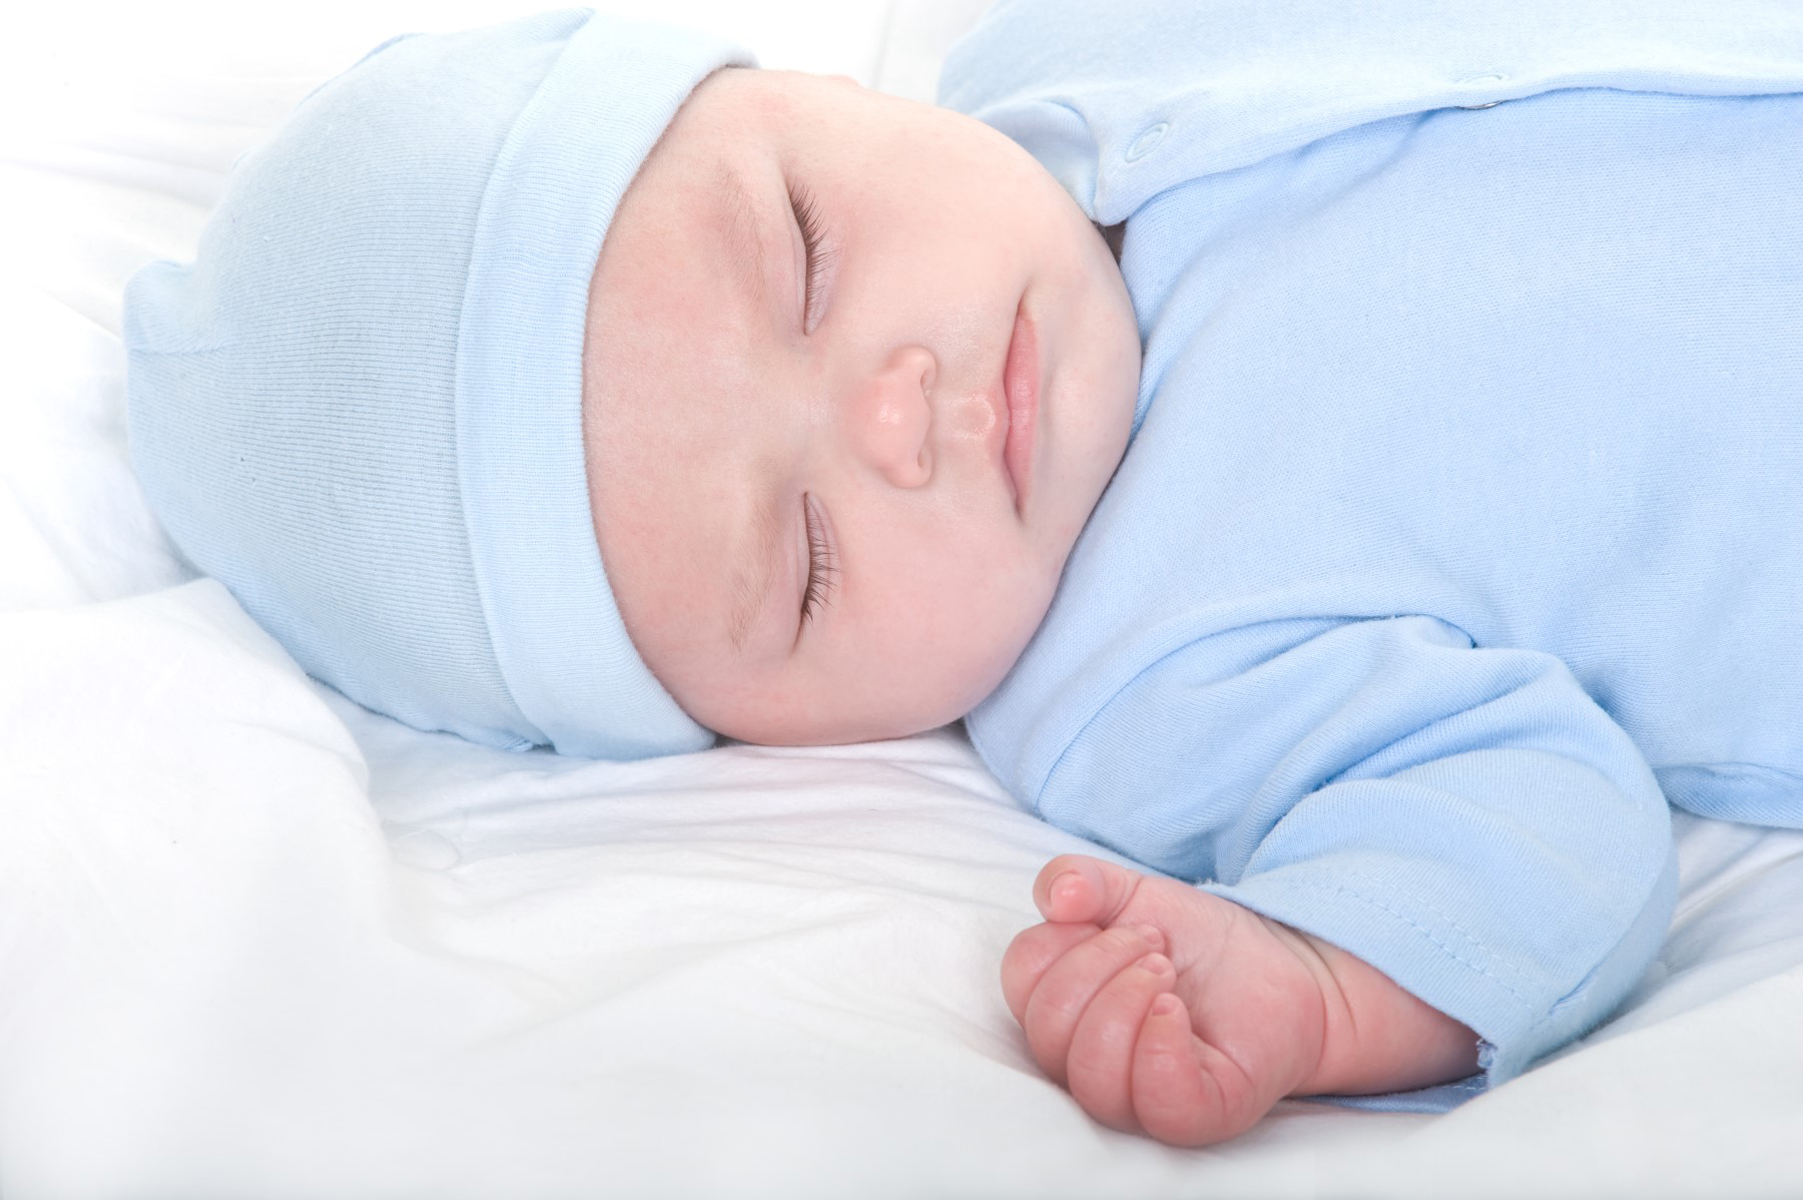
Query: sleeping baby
column 1344, row 459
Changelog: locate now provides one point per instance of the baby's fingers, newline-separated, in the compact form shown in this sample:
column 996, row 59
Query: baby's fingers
column 1029, row 954
column 1186, row 1092
column 1081, row 887
column 1100, row 1064
column 1070, row 983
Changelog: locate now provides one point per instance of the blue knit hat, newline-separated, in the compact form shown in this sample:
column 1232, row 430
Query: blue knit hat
column 361, row 407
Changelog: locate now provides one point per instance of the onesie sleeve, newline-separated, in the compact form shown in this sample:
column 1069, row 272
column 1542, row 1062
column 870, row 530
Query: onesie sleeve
column 1466, row 819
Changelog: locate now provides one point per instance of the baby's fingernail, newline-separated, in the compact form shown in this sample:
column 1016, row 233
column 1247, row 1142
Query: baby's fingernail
column 1065, row 886
column 1151, row 933
column 1165, row 1005
column 1158, row 964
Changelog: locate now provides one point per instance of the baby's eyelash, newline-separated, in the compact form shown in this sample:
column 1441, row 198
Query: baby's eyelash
column 807, row 216
column 823, row 572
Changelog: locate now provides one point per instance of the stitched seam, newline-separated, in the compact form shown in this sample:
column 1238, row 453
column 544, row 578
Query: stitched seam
column 1416, row 898
column 1335, row 889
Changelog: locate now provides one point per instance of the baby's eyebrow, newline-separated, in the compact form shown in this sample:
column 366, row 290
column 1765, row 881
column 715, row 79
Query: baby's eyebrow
column 743, row 235
column 743, row 244
column 756, row 572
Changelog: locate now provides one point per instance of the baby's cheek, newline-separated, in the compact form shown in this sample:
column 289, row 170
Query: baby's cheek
column 984, row 635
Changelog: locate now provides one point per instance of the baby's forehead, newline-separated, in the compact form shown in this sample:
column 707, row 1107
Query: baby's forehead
column 736, row 107
column 731, row 104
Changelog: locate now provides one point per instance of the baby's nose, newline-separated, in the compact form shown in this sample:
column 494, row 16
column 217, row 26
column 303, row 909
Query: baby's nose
column 892, row 417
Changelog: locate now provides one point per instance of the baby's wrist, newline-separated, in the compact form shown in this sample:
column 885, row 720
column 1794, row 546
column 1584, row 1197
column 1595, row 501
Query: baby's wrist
column 1375, row 1036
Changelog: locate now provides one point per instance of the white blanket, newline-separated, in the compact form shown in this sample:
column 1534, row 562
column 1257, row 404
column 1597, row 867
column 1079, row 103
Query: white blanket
column 256, row 941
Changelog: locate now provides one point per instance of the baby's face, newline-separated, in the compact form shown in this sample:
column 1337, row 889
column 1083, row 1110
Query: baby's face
column 796, row 469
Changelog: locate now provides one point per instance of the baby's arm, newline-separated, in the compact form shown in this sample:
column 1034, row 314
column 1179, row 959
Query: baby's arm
column 1465, row 819
column 1168, row 1010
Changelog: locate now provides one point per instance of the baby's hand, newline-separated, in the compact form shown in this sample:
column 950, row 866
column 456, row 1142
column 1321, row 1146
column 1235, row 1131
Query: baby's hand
column 1168, row 1010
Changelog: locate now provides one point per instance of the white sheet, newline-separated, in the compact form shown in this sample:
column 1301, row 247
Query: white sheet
column 257, row 941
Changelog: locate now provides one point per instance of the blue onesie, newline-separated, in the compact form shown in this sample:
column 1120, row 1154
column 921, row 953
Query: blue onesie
column 1460, row 527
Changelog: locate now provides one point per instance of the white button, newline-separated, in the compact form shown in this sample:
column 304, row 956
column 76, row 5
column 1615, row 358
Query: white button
column 1147, row 141
column 1479, row 81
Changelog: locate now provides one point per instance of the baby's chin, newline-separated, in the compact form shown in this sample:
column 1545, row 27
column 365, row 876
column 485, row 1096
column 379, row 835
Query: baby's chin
column 840, row 719
column 829, row 731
